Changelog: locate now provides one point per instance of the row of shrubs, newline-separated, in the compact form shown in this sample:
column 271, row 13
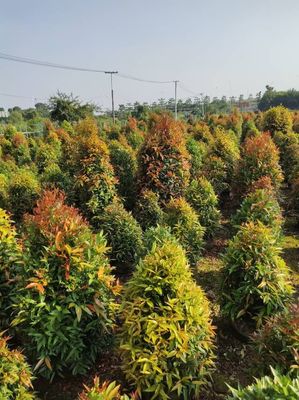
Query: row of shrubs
column 93, row 168
column 161, row 290
column 59, row 254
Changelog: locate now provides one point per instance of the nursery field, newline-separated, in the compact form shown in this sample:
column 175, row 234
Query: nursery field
column 150, row 258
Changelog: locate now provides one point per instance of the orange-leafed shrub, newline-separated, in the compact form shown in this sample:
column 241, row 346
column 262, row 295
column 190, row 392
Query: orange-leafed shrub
column 260, row 157
column 164, row 160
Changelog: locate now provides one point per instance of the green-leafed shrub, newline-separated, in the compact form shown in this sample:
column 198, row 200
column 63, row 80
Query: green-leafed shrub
column 15, row 374
column 185, row 226
column 200, row 194
column 157, row 236
column 203, row 133
column 147, row 210
column 95, row 181
column 53, row 176
column 166, row 336
column 288, row 144
column 20, row 149
column 104, row 391
column 9, row 131
column 64, row 309
column 277, row 341
column 164, row 160
column 214, row 169
column 260, row 157
column 23, row 191
column 7, row 167
column 256, row 279
column 278, row 387
column 48, row 153
column 249, row 129
column 135, row 139
column 295, row 196
column 260, row 205
column 9, row 255
column 277, row 119
column 124, row 163
column 232, row 121
column 124, row 236
column 224, row 151
column 225, row 146
column 197, row 151
column 3, row 190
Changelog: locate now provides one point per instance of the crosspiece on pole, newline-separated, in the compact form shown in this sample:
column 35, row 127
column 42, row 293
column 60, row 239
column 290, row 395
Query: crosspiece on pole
column 112, row 93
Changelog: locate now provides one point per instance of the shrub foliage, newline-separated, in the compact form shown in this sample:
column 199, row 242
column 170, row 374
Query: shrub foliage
column 164, row 160
column 256, row 280
column 166, row 337
column 65, row 307
column 15, row 374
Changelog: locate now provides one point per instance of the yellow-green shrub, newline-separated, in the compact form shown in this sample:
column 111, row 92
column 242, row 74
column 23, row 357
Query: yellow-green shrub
column 277, row 119
column 185, row 226
column 15, row 374
column 95, row 180
column 166, row 336
column 10, row 253
column 23, row 191
column 147, row 209
column 200, row 194
column 221, row 161
column 104, row 391
column 3, row 190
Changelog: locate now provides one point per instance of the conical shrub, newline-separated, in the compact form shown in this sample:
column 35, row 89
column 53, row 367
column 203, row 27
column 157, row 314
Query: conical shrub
column 256, row 279
column 166, row 339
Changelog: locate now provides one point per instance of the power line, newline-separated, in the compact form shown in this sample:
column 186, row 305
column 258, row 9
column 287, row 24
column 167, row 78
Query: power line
column 142, row 80
column 15, row 95
column 48, row 64
column 190, row 91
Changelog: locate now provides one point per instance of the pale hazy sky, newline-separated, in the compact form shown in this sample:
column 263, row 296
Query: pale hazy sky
column 218, row 47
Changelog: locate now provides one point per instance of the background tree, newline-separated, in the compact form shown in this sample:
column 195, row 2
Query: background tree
column 64, row 107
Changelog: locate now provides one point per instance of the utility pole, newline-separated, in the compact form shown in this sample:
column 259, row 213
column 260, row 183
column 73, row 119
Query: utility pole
column 175, row 100
column 203, row 104
column 112, row 94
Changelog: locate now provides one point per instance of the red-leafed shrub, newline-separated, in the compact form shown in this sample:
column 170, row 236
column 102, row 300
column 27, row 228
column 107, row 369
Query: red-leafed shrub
column 164, row 160
column 260, row 157
column 64, row 308
column 277, row 340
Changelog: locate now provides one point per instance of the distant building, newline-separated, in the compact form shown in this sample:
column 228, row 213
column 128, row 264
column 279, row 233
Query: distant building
column 3, row 114
column 247, row 105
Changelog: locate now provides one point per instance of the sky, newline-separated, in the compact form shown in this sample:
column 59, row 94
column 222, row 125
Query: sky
column 215, row 47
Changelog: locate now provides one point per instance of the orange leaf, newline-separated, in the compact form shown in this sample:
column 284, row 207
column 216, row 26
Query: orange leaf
column 37, row 286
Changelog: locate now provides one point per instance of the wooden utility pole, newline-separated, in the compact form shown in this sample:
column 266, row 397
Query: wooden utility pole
column 175, row 100
column 112, row 93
